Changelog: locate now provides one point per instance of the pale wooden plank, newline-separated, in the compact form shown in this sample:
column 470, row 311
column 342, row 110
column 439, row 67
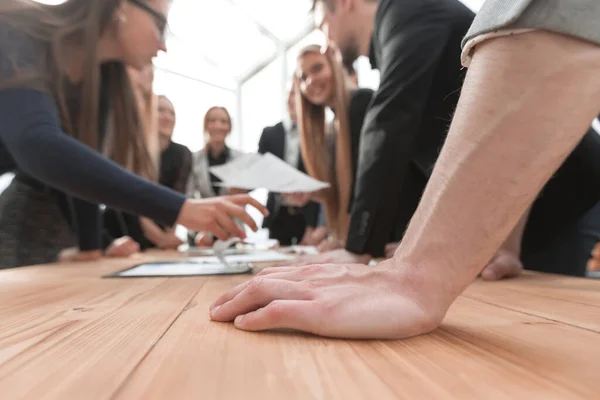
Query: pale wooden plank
column 498, row 357
column 571, row 289
column 202, row 359
column 555, row 303
column 91, row 362
column 41, row 318
column 493, row 353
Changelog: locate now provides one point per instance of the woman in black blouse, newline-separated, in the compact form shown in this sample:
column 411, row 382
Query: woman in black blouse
column 330, row 152
column 63, row 88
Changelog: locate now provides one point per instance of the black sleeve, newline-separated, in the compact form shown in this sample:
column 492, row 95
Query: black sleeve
column 263, row 142
column 30, row 130
column 185, row 169
column 411, row 44
column 88, row 224
column 359, row 105
column 83, row 219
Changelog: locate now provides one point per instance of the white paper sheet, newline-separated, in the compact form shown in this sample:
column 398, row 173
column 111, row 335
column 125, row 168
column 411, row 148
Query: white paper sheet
column 254, row 171
column 253, row 257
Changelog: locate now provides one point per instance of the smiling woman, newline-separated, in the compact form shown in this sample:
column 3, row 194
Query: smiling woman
column 331, row 155
column 63, row 69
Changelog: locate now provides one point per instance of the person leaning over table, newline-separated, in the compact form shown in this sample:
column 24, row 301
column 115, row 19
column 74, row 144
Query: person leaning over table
column 62, row 75
column 531, row 90
column 415, row 45
column 395, row 144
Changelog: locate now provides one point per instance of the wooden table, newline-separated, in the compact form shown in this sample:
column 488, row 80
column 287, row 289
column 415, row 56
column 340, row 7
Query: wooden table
column 65, row 333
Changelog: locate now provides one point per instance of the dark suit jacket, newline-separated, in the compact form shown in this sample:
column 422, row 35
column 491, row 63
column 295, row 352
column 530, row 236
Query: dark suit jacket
column 360, row 99
column 416, row 46
column 272, row 141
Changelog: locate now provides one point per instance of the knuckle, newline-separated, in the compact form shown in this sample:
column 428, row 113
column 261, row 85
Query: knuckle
column 312, row 270
column 276, row 309
column 267, row 271
column 310, row 285
column 328, row 308
column 255, row 286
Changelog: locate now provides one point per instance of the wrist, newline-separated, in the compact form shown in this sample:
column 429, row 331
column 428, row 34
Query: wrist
column 432, row 291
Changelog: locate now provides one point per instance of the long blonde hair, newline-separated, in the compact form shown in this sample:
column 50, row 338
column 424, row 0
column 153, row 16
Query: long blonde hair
column 315, row 141
column 56, row 30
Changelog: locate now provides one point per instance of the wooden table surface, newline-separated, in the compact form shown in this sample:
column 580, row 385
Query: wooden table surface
column 66, row 333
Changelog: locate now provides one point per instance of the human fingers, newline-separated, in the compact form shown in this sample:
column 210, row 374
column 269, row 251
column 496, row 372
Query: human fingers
column 257, row 294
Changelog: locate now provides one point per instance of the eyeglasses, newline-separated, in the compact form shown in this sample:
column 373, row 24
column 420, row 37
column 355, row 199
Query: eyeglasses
column 159, row 19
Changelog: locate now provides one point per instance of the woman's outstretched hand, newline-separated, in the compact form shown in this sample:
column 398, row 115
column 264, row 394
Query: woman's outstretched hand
column 216, row 215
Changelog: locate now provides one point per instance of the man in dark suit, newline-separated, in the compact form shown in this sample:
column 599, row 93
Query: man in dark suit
column 415, row 45
column 287, row 223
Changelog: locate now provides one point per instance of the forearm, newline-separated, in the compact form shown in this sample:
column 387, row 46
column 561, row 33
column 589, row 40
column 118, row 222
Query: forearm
column 515, row 238
column 527, row 101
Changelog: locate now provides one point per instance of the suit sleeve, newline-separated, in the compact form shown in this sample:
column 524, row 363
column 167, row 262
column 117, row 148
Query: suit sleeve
column 263, row 142
column 411, row 47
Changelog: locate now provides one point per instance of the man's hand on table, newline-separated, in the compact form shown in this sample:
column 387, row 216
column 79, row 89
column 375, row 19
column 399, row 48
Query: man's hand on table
column 348, row 300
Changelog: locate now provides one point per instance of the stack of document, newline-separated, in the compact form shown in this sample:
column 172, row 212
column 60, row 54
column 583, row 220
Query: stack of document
column 265, row 171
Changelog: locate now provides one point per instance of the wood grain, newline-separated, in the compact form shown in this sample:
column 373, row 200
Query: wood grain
column 575, row 302
column 66, row 333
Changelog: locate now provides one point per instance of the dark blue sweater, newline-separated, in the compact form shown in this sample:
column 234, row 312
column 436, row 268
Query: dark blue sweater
column 33, row 144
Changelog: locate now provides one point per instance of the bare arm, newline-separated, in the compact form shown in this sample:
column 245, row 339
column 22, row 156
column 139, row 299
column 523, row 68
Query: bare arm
column 514, row 239
column 526, row 103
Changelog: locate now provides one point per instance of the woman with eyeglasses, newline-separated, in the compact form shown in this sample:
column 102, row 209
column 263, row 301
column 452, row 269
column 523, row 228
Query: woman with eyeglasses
column 65, row 98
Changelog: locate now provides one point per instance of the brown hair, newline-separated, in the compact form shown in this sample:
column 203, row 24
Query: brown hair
column 315, row 144
column 213, row 109
column 148, row 110
column 55, row 31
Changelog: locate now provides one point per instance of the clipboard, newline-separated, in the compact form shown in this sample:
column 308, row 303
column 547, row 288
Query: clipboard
column 181, row 269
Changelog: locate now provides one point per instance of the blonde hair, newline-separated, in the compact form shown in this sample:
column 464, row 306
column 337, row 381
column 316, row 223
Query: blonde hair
column 315, row 141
